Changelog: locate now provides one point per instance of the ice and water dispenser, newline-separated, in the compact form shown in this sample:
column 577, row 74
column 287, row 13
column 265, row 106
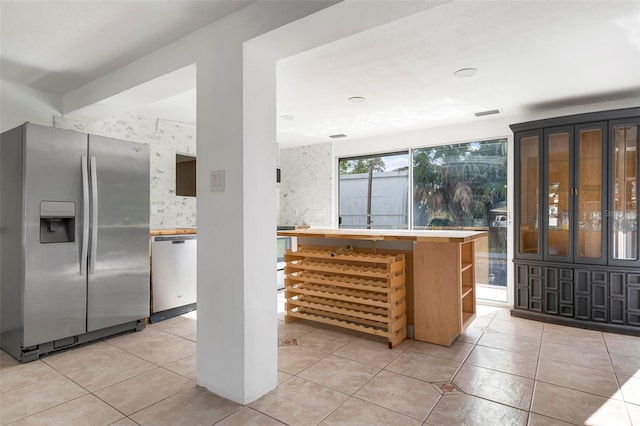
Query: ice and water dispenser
column 57, row 222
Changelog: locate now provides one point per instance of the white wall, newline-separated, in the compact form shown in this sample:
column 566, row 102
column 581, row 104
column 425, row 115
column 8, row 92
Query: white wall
column 19, row 104
column 165, row 139
column 306, row 185
column 479, row 129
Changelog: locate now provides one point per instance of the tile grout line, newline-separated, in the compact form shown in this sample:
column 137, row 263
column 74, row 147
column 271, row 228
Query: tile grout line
column 164, row 399
column 80, row 386
column 535, row 376
column 505, row 350
column 615, row 374
column 107, row 403
column 257, row 411
column 349, row 396
column 476, row 344
column 156, row 366
column 2, row 392
column 535, row 385
column 49, row 408
column 481, row 397
column 335, row 409
column 348, row 359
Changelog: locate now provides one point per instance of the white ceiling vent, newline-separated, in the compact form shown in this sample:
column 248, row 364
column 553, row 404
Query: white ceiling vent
column 338, row 136
column 489, row 112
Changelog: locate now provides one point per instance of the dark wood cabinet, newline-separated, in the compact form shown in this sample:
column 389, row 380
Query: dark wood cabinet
column 577, row 248
column 558, row 293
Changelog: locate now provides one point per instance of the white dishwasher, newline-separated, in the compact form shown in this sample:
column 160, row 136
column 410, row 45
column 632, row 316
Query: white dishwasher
column 173, row 275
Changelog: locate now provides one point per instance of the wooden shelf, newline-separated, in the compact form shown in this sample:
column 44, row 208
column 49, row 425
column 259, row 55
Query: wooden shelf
column 444, row 290
column 467, row 318
column 466, row 291
column 358, row 291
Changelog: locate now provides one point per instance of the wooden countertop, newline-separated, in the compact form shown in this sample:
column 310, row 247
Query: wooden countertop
column 178, row 231
column 387, row 234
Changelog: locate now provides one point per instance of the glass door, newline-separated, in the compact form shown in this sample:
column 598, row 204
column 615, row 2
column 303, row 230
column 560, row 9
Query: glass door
column 624, row 203
column 528, row 220
column 557, row 202
column 464, row 186
column 590, row 219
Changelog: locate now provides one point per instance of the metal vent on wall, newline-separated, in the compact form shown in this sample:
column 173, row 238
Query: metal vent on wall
column 489, row 112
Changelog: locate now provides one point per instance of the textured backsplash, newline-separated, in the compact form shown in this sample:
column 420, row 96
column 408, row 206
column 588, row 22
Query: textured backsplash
column 305, row 189
column 165, row 139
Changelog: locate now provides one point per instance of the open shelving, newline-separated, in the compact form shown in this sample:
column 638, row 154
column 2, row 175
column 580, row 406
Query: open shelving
column 358, row 291
column 444, row 291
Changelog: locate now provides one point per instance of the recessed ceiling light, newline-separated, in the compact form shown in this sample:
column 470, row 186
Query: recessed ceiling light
column 356, row 99
column 465, row 72
column 287, row 117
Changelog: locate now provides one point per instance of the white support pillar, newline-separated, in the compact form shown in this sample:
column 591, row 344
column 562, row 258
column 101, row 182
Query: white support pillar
column 237, row 326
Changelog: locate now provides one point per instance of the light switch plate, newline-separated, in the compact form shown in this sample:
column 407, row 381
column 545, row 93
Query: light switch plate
column 217, row 181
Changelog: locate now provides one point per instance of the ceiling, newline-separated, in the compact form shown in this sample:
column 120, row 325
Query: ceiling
column 531, row 56
column 58, row 46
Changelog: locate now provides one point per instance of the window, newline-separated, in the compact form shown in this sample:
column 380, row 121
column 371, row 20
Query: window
column 185, row 175
column 465, row 186
column 374, row 192
column 461, row 186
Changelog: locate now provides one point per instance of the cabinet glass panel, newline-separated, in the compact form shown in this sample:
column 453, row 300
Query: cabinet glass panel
column 558, row 195
column 529, row 195
column 590, row 193
column 625, row 192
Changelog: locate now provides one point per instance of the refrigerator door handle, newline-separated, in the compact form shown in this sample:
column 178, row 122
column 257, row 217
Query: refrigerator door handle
column 85, row 215
column 94, row 216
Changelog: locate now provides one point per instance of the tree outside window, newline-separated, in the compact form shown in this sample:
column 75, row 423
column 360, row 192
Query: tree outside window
column 461, row 186
column 374, row 192
column 464, row 186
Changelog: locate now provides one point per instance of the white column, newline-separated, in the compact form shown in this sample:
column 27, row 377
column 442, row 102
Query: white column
column 237, row 324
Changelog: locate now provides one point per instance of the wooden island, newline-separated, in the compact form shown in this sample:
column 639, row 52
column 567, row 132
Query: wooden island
column 438, row 298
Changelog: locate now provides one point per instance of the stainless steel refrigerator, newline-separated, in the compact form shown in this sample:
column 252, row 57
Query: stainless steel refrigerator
column 74, row 238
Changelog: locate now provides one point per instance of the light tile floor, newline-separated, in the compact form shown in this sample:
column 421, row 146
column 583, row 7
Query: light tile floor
column 502, row 371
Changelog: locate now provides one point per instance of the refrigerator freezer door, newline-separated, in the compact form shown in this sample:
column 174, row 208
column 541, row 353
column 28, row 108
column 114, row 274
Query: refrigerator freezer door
column 54, row 290
column 118, row 288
